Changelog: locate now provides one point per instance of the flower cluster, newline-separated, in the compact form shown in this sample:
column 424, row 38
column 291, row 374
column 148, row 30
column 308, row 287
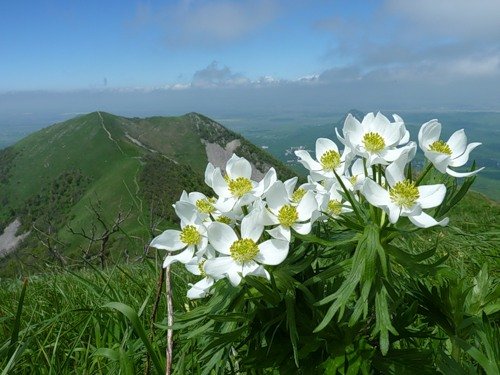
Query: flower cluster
column 247, row 226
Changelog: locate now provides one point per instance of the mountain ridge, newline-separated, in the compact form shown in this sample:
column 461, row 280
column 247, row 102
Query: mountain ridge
column 55, row 179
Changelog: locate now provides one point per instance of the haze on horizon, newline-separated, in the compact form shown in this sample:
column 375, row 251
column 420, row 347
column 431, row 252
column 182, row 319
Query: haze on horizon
column 224, row 57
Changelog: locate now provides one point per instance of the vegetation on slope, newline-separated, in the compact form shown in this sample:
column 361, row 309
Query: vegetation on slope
column 61, row 180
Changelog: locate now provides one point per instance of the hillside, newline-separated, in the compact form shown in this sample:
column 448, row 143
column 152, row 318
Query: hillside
column 74, row 183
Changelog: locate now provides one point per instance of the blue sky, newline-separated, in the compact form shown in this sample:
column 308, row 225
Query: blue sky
column 399, row 53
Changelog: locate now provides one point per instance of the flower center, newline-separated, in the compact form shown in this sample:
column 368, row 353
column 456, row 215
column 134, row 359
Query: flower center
column 243, row 250
column 373, row 142
column 201, row 267
column 334, row 207
column 190, row 235
column 288, row 215
column 298, row 195
column 404, row 193
column 441, row 147
column 330, row 160
column 240, row 186
column 224, row 219
column 206, row 205
column 353, row 179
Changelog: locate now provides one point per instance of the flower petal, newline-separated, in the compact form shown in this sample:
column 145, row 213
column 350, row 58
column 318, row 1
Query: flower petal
column 290, row 185
column 220, row 185
column 251, row 226
column 457, row 143
column 183, row 257
column 464, row 158
column 451, row 172
column 218, row 267
column 375, row 194
column 239, row 167
column 426, row 221
column 440, row 161
column 302, row 228
column 168, row 240
column 276, row 196
column 428, row 134
column 221, row 236
column 431, row 195
column 280, row 232
column 249, row 267
column 307, row 206
column 263, row 186
column 307, row 161
column 272, row 252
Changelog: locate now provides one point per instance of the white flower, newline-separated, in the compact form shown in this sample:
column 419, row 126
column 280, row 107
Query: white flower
column 205, row 206
column 404, row 198
column 443, row 155
column 328, row 160
column 286, row 214
column 191, row 237
column 237, row 188
column 375, row 138
column 243, row 255
column 332, row 203
column 197, row 267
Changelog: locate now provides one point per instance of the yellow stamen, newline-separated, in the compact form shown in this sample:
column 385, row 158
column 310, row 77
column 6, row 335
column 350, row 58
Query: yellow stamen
column 404, row 194
column 243, row 250
column 190, row 235
column 288, row 215
column 239, row 186
column 373, row 142
column 298, row 195
column 334, row 207
column 330, row 160
column 441, row 147
column 224, row 219
column 206, row 205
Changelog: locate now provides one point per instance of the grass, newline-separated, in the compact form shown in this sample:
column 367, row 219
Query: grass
column 93, row 321
column 89, row 321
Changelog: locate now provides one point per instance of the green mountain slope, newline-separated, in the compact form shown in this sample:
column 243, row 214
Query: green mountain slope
column 69, row 183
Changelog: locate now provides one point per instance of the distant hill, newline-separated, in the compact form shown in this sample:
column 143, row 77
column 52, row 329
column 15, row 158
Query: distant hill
column 69, row 184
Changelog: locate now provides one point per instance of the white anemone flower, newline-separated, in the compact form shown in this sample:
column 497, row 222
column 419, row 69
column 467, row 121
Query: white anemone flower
column 375, row 138
column 243, row 255
column 288, row 215
column 443, row 155
column 192, row 236
column 328, row 159
column 205, row 206
column 332, row 203
column 404, row 198
column 296, row 195
column 237, row 188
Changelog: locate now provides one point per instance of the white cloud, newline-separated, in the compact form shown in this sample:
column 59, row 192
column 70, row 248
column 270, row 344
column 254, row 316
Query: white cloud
column 206, row 23
column 215, row 76
column 456, row 18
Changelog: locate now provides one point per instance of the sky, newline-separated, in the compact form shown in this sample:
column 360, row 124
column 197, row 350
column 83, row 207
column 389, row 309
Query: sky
column 223, row 57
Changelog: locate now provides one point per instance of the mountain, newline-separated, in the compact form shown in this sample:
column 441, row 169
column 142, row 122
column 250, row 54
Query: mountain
column 101, row 180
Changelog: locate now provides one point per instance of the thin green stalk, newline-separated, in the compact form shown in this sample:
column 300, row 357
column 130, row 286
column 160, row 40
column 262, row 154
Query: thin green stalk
column 349, row 198
column 424, row 173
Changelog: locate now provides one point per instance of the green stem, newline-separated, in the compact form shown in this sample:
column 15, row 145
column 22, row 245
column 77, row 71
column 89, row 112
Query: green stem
column 424, row 173
column 348, row 195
